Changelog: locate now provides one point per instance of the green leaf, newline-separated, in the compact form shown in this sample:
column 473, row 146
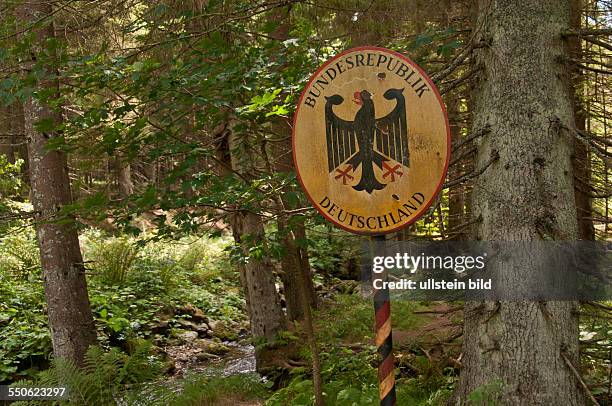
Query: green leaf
column 45, row 125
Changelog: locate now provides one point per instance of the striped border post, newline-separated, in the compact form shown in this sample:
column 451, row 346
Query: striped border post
column 384, row 341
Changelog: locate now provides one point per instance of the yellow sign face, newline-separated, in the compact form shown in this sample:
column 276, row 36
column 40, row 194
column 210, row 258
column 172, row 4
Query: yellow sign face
column 371, row 141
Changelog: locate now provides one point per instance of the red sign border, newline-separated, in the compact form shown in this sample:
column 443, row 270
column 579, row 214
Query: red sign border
column 427, row 205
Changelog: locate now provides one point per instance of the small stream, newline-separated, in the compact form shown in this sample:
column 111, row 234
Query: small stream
column 240, row 360
column 190, row 357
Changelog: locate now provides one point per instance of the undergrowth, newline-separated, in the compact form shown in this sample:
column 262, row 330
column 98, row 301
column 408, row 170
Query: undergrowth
column 131, row 289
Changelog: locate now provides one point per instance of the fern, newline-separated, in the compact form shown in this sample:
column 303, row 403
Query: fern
column 105, row 379
column 113, row 259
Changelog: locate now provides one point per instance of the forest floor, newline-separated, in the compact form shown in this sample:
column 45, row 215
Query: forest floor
column 183, row 300
column 434, row 334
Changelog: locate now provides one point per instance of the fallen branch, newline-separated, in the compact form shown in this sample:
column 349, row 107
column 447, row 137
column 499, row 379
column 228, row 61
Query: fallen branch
column 450, row 310
column 584, row 385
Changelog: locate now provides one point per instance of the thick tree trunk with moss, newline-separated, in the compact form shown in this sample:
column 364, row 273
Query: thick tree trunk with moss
column 522, row 93
column 70, row 319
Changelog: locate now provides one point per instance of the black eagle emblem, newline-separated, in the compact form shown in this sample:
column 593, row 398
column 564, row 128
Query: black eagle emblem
column 367, row 141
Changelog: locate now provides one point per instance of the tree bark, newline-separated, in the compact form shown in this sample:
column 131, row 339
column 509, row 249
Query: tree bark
column 526, row 195
column 581, row 159
column 7, row 137
column 70, row 319
column 266, row 315
column 456, row 194
column 256, row 275
column 123, row 175
column 292, row 228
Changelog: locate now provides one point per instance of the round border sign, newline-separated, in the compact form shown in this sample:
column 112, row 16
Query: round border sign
column 371, row 141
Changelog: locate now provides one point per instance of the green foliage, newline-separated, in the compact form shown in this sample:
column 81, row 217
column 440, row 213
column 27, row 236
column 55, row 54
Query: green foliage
column 156, row 281
column 218, row 390
column 24, row 337
column 105, row 378
column 10, row 179
column 113, row 259
column 299, row 392
column 335, row 324
column 487, row 394
column 162, row 277
column 330, row 248
column 21, row 258
column 350, row 378
column 595, row 330
column 349, row 372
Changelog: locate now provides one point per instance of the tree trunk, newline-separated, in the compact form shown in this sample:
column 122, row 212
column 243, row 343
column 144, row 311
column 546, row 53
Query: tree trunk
column 70, row 319
column 7, row 137
column 522, row 92
column 123, row 174
column 256, row 275
column 456, row 194
column 17, row 129
column 266, row 315
column 580, row 160
column 292, row 229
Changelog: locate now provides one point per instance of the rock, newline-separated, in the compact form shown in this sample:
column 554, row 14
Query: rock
column 160, row 327
column 4, row 320
column 169, row 366
column 218, row 348
column 201, row 328
column 194, row 313
column 204, row 356
column 213, row 324
column 173, row 342
column 346, row 287
column 204, row 332
column 202, row 343
column 187, row 336
column 221, row 331
column 186, row 324
column 211, row 346
column 199, row 316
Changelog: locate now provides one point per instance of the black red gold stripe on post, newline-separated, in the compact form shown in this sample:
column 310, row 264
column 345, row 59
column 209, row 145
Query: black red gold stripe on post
column 384, row 343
